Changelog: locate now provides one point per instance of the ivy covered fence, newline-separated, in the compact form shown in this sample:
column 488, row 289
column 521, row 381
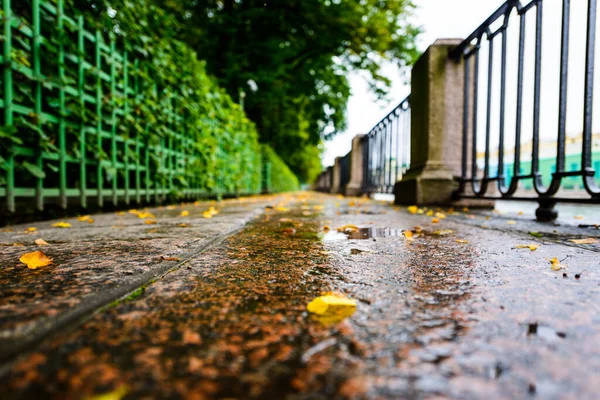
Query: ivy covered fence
column 93, row 113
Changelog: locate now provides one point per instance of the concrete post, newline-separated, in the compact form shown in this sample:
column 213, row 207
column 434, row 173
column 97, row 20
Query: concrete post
column 336, row 170
column 436, row 128
column 355, row 185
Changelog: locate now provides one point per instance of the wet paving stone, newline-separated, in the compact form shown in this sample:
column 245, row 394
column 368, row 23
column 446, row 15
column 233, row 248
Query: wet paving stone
column 459, row 311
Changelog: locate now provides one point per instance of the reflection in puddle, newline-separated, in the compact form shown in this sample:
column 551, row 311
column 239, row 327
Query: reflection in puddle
column 362, row 233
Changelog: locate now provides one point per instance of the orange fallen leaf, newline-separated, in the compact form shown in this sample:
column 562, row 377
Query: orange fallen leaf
column 35, row 259
column 435, row 220
column 150, row 222
column 462, row 241
column 184, row 213
column 584, row 241
column 41, row 242
column 408, row 235
column 31, row 229
column 61, row 225
column 578, row 217
column 443, row 232
column 326, row 228
column 184, row 225
column 145, row 215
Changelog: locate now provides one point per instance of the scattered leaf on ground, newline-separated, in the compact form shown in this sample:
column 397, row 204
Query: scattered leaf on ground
column 412, row 209
column 166, row 258
column 462, row 241
column 429, row 213
column 35, row 259
column 358, row 251
column 288, row 231
column 282, row 209
column 184, row 213
column 116, row 394
column 465, row 209
column 579, row 217
column 145, row 215
column 536, row 234
column 443, row 232
column 584, row 241
column 511, row 222
column 418, row 229
column 435, row 220
column 556, row 265
column 31, row 229
column 348, row 228
column 532, row 247
column 61, row 225
column 326, row 228
column 41, row 242
column 440, row 215
column 85, row 218
column 150, row 222
column 285, row 220
column 408, row 235
column 121, row 213
column 331, row 308
column 184, row 225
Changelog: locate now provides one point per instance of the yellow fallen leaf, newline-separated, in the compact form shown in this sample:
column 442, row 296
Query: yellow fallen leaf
column 584, row 241
column 282, row 209
column 145, row 215
column 121, row 213
column 440, row 215
column 62, row 225
column 184, row 213
column 171, row 207
column 465, row 209
column 435, row 220
column 85, row 218
column 35, row 259
column 150, row 221
column 532, row 247
column 116, row 394
column 348, row 228
column 412, row 209
column 511, row 222
column 134, row 212
column 520, row 213
column 408, row 235
column 18, row 244
column 418, row 229
column 578, row 217
column 41, row 242
column 318, row 207
column 183, row 225
column 326, row 228
column 429, row 213
column 443, row 232
column 331, row 308
column 556, row 265
column 31, row 229
column 462, row 241
column 207, row 214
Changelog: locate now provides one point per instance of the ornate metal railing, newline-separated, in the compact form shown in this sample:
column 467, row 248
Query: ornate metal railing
column 546, row 186
column 387, row 150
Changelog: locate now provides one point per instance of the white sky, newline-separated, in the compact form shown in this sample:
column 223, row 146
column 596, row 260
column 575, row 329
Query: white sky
column 457, row 19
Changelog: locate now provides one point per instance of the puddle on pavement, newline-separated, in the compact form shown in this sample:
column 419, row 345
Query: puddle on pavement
column 362, row 233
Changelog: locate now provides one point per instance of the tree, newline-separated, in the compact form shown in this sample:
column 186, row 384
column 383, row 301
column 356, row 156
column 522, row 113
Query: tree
column 299, row 53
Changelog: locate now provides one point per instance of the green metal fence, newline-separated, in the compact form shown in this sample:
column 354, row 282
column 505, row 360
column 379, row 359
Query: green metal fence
column 72, row 130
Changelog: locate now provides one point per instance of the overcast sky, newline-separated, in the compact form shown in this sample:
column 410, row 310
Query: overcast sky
column 457, row 19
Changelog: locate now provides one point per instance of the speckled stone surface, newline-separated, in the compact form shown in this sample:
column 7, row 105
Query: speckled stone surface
column 457, row 312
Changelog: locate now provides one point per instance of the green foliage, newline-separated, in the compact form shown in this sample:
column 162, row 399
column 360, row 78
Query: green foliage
column 299, row 52
column 151, row 101
column 278, row 176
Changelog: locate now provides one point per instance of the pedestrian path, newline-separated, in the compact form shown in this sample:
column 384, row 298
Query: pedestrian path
column 209, row 300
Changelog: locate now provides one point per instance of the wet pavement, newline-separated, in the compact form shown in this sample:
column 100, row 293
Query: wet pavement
column 459, row 311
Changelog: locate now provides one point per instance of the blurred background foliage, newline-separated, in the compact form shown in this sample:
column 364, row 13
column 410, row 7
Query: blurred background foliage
column 291, row 58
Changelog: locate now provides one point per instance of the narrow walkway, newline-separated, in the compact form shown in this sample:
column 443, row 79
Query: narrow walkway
column 208, row 300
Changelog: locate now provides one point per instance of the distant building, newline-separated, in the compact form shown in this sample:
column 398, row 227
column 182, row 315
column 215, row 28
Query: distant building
column 547, row 162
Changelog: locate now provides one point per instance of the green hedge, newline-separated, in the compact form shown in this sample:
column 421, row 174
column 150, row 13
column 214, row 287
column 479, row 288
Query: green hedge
column 278, row 177
column 128, row 116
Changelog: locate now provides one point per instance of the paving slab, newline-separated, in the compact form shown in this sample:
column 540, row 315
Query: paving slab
column 95, row 263
column 459, row 311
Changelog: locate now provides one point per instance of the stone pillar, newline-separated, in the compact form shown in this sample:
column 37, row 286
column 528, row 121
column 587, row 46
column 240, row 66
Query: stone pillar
column 335, row 181
column 355, row 185
column 436, row 128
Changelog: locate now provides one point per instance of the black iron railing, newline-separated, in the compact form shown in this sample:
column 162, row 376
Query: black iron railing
column 512, row 177
column 344, row 171
column 387, row 150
